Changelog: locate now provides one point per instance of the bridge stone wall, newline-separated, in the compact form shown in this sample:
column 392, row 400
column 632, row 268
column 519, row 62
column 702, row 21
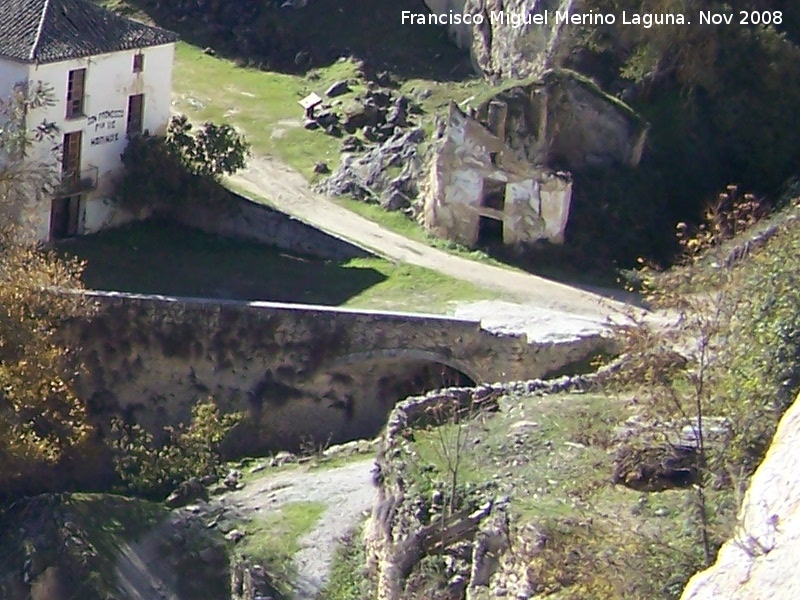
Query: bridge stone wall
column 299, row 371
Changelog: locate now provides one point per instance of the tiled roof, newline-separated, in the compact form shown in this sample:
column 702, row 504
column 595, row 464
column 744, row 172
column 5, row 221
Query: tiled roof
column 45, row 31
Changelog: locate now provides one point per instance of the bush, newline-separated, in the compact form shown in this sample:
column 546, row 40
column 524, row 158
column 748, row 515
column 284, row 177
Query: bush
column 182, row 167
column 44, row 424
column 154, row 469
column 213, row 151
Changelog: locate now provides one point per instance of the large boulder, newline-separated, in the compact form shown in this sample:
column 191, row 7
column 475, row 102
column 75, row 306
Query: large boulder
column 386, row 173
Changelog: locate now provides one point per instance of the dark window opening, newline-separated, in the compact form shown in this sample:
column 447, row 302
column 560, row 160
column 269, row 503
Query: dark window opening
column 490, row 225
column 135, row 115
column 76, row 88
column 138, row 63
column 494, row 194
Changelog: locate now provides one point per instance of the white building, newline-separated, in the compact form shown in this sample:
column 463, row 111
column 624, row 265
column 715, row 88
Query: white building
column 111, row 78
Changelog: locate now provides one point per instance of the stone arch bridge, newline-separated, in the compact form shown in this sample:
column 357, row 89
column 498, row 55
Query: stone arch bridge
column 300, row 371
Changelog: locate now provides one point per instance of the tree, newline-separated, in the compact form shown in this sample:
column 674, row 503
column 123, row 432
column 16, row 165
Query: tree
column 23, row 179
column 213, row 151
column 42, row 420
column 163, row 173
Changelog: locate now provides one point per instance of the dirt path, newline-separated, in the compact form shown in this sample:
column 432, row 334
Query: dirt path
column 145, row 569
column 288, row 191
column 346, row 491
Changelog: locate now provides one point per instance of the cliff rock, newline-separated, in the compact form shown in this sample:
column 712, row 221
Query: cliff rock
column 760, row 561
column 512, row 46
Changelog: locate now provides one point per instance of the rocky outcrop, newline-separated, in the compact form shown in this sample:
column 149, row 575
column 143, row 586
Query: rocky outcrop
column 388, row 173
column 760, row 561
column 381, row 155
column 509, row 42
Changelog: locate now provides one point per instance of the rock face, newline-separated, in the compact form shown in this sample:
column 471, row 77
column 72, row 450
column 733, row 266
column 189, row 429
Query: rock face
column 385, row 123
column 506, row 161
column 386, row 173
column 508, row 43
column 760, row 561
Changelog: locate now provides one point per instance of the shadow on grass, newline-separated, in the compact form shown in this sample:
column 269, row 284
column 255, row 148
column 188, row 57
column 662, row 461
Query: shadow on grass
column 296, row 40
column 158, row 257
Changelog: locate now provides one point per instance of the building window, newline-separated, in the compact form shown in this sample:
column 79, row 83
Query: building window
column 138, row 63
column 76, row 85
column 71, row 156
column 135, row 115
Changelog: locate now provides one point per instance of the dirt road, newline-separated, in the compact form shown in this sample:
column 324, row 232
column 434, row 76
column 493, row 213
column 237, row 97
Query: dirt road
column 289, row 192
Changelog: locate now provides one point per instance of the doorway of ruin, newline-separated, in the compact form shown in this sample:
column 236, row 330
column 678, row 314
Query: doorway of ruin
column 492, row 210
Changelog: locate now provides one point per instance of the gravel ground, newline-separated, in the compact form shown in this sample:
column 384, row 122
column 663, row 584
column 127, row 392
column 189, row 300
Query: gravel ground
column 347, row 491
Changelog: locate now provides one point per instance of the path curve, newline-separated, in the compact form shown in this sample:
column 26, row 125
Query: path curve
column 348, row 493
column 288, row 191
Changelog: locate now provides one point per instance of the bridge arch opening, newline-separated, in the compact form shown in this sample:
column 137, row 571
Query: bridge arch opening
column 384, row 381
column 351, row 397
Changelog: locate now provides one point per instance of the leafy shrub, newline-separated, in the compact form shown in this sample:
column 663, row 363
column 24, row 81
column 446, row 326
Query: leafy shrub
column 759, row 362
column 154, row 469
column 184, row 166
column 43, row 423
column 212, row 151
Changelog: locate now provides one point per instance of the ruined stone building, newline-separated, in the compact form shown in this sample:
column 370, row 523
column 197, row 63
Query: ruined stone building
column 503, row 172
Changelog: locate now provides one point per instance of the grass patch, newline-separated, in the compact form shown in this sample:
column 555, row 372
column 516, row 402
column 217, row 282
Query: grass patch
column 162, row 258
column 261, row 104
column 274, row 540
column 348, row 580
column 554, row 456
column 112, row 519
column 401, row 224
